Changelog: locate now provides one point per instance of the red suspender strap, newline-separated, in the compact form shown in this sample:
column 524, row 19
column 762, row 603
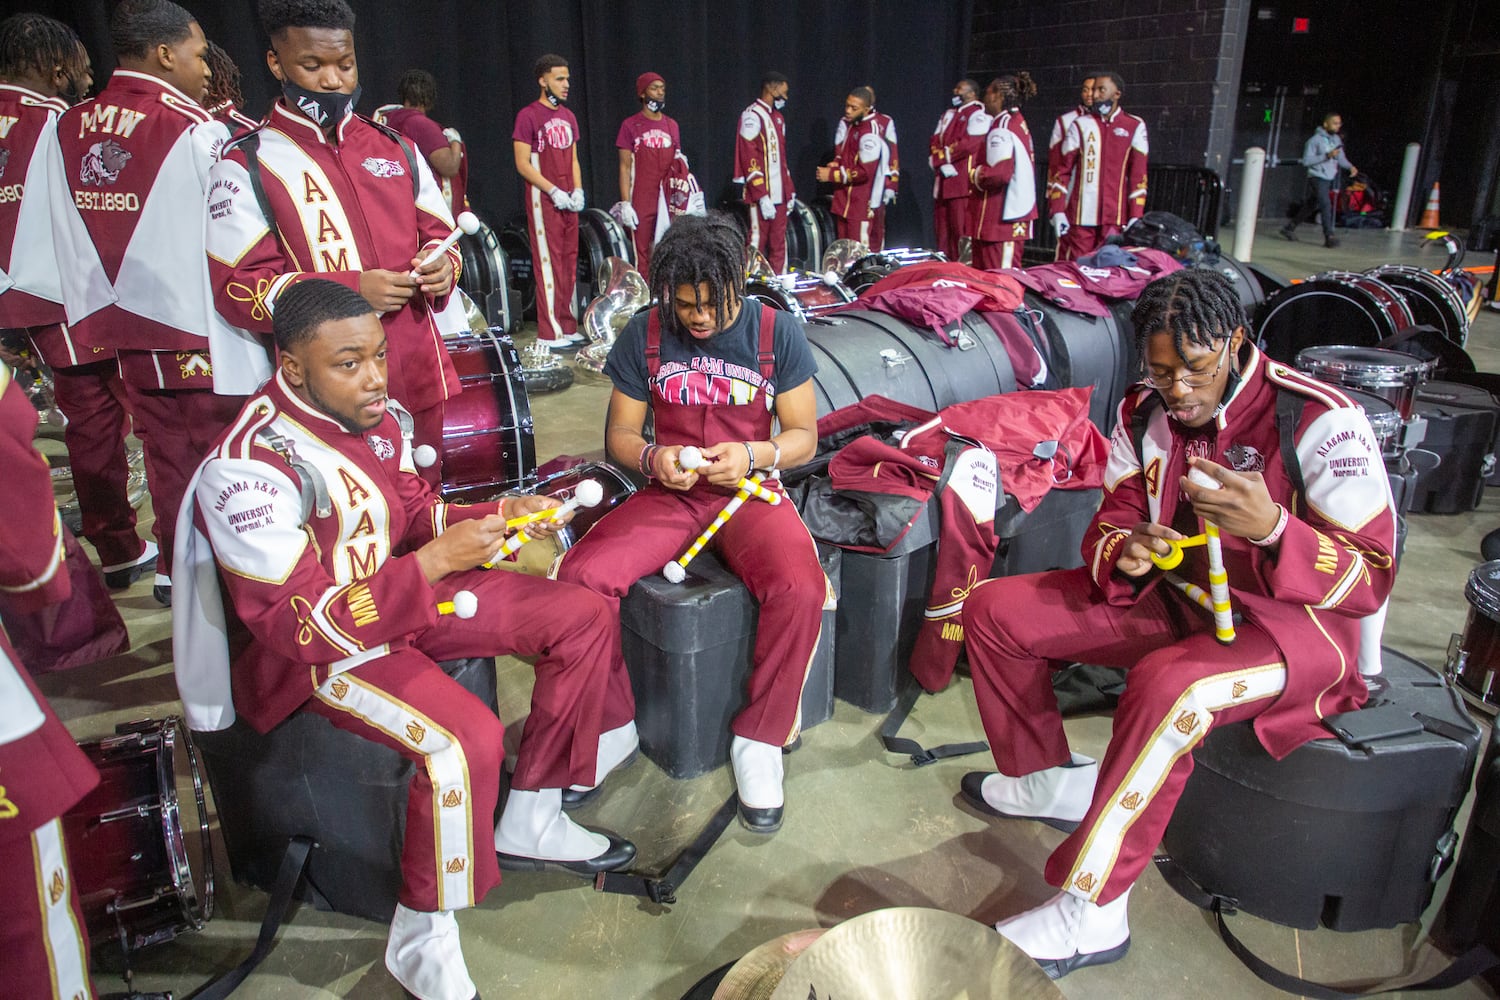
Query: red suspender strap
column 653, row 346
column 767, row 342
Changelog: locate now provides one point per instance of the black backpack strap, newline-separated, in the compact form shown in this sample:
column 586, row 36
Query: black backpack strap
column 1288, row 415
column 662, row 888
column 398, row 139
column 1471, row 963
column 250, row 144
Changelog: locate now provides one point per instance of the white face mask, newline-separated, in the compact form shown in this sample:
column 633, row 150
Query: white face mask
column 779, row 103
column 957, row 101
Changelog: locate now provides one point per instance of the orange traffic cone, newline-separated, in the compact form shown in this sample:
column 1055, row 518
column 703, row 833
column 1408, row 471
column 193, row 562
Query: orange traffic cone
column 1430, row 213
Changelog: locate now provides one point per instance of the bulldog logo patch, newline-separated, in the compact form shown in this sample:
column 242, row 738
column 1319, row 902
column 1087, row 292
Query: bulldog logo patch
column 1243, row 458
column 383, row 168
column 382, row 447
column 103, row 162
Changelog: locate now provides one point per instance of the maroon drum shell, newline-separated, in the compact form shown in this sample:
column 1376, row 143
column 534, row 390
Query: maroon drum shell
column 1332, row 308
column 1480, row 646
column 489, row 442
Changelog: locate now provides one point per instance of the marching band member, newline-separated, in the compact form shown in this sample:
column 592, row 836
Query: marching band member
column 128, row 178
column 345, row 611
column 319, row 190
column 649, row 142
column 545, row 141
column 1061, row 123
column 443, row 147
column 959, row 135
column 1003, row 203
column 760, row 163
column 715, row 371
column 1305, row 564
column 1096, row 183
column 886, row 126
column 857, row 170
column 224, row 99
column 43, row 69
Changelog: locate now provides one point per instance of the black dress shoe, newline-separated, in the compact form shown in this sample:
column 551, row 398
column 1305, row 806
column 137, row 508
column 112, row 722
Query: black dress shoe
column 575, row 797
column 119, row 579
column 163, row 594
column 971, row 788
column 761, row 820
column 1056, row 968
column 616, row 857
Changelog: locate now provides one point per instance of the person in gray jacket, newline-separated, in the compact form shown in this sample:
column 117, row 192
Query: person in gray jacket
column 1323, row 156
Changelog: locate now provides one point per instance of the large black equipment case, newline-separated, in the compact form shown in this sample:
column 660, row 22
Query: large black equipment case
column 1461, row 422
column 1471, row 914
column 1348, row 838
column 688, row 648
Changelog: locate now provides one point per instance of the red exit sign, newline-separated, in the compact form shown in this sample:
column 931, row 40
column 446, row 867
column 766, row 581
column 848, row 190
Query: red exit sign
column 1300, row 25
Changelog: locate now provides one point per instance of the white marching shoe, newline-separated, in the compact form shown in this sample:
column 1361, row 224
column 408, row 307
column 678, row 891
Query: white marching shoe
column 617, row 748
column 423, row 955
column 1067, row 933
column 758, row 771
column 535, row 834
column 1057, row 796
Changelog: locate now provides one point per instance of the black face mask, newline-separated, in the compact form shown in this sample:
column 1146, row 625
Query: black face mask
column 326, row 110
column 554, row 100
column 72, row 95
column 1102, row 108
column 655, row 106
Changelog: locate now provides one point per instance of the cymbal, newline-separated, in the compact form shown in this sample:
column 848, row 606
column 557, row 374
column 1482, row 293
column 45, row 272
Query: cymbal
column 913, row 953
column 755, row 976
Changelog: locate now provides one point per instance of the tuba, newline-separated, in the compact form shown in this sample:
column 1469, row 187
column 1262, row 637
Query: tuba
column 842, row 255
column 625, row 291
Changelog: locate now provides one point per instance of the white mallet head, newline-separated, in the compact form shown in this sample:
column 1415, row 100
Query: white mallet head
column 589, row 493
column 1198, row 477
column 830, row 277
column 465, row 604
column 425, row 455
column 468, row 222
column 690, row 458
column 674, row 572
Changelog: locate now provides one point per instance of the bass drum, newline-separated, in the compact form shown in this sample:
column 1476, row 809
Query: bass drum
column 1332, row 308
column 804, row 239
column 862, row 353
column 489, row 441
column 486, row 278
column 600, row 237
column 517, row 247
column 868, row 270
column 1432, row 301
column 1247, row 284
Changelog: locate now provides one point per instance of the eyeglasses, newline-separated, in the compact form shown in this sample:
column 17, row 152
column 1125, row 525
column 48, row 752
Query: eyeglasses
column 1193, row 380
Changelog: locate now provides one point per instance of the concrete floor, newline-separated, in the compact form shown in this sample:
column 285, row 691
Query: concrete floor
column 863, row 830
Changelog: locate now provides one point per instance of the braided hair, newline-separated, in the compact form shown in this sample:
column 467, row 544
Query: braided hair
column 34, row 44
column 278, row 15
column 1196, row 305
column 1017, row 88
column 698, row 250
column 308, row 304
column 224, row 85
column 138, row 26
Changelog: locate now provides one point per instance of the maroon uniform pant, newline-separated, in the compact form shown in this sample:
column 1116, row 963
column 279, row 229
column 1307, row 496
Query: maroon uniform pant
column 1181, row 683
column 42, row 935
column 92, row 397
column 860, row 230
column 769, row 236
column 997, row 256
column 766, row 546
column 877, row 229
column 950, row 216
column 177, row 429
column 644, row 235
column 1080, row 241
column 554, row 265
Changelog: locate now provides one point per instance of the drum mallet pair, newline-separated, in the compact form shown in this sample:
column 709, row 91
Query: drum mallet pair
column 1217, row 600
column 750, row 486
column 588, row 493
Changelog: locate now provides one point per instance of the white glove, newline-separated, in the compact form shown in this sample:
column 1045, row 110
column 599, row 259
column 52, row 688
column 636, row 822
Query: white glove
column 948, row 170
column 562, row 200
column 625, row 212
column 890, row 196
column 576, row 201
column 1060, row 224
column 451, row 134
column 767, row 207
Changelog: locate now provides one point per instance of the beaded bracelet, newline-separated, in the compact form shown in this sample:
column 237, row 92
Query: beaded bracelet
column 647, row 460
column 1275, row 535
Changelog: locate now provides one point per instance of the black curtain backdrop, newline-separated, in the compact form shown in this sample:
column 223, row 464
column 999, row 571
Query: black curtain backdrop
column 712, row 55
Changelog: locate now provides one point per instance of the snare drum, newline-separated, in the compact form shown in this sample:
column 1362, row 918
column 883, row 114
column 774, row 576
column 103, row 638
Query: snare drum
column 1384, row 419
column 561, row 487
column 1432, row 301
column 133, row 863
column 808, row 296
column 868, row 270
column 1389, row 374
column 1474, row 657
column 489, row 442
column 1336, row 307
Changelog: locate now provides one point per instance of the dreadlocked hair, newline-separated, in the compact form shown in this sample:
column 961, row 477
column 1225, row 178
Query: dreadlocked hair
column 1196, row 305
column 698, row 250
column 278, row 15
column 224, row 85
column 138, row 26
column 35, row 44
column 1018, row 88
column 307, row 305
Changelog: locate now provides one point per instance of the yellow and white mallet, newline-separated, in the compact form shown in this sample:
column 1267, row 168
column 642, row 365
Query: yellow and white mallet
column 463, row 605
column 690, row 458
column 1218, row 579
column 588, row 493
column 468, row 223
column 1173, row 558
column 676, row 570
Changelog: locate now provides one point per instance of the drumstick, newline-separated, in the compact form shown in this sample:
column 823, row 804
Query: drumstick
column 467, row 223
column 1218, row 579
column 588, row 494
column 463, row 605
column 676, row 570
column 1173, row 558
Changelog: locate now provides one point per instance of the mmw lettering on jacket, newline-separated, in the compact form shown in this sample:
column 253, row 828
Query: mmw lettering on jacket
column 365, row 545
column 327, row 233
column 111, row 120
column 362, row 605
column 1327, row 560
